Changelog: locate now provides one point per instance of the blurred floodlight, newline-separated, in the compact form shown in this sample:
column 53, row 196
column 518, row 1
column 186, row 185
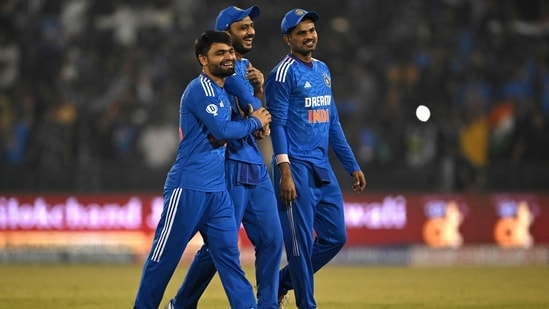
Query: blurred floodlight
column 423, row 113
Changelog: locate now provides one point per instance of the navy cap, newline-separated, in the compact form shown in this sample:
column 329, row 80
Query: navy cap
column 294, row 17
column 232, row 14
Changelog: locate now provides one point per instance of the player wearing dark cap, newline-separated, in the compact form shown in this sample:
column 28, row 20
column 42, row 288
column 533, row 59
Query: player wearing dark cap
column 248, row 179
column 305, row 124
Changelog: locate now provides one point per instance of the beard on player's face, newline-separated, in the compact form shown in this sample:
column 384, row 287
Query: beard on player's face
column 239, row 47
column 304, row 47
column 223, row 69
column 303, row 51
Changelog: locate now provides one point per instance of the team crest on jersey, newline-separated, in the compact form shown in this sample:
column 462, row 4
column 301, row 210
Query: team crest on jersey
column 327, row 81
column 212, row 109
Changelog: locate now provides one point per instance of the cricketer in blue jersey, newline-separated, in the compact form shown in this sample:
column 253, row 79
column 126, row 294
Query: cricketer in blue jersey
column 304, row 125
column 248, row 179
column 195, row 192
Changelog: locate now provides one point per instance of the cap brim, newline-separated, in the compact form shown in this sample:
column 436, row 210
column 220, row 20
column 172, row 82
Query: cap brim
column 310, row 15
column 233, row 14
column 253, row 11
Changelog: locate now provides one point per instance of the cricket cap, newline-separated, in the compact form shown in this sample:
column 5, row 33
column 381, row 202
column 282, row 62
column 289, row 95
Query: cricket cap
column 232, row 14
column 294, row 17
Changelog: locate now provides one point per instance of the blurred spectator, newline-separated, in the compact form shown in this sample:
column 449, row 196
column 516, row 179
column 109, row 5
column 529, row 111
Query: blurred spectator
column 421, row 144
column 81, row 84
column 9, row 61
column 123, row 22
column 73, row 18
column 17, row 133
column 158, row 142
column 530, row 142
column 55, row 147
column 544, row 85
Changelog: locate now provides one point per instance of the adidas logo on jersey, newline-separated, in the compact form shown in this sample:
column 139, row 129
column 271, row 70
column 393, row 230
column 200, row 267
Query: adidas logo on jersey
column 307, row 85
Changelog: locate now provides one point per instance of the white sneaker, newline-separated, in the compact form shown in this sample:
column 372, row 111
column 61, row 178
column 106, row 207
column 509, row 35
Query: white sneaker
column 169, row 305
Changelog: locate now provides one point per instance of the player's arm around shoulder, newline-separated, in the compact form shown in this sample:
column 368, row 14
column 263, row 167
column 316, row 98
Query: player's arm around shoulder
column 262, row 114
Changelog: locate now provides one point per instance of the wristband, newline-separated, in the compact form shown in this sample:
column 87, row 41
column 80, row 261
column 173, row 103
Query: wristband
column 282, row 158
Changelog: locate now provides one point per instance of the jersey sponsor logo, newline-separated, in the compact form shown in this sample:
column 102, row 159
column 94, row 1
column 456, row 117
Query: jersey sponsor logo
column 321, row 100
column 318, row 116
column 211, row 109
column 307, row 85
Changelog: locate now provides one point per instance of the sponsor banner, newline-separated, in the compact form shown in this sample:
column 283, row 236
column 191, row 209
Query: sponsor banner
column 79, row 212
column 448, row 220
column 434, row 220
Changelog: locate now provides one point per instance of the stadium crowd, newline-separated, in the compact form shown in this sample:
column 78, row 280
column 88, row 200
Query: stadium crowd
column 89, row 90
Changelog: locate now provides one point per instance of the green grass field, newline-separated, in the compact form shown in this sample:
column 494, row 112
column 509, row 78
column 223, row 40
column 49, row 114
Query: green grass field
column 114, row 286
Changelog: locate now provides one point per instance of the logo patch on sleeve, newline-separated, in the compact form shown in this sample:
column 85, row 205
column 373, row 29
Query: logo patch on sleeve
column 327, row 81
column 211, row 109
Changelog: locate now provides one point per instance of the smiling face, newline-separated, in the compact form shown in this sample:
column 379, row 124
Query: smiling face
column 242, row 33
column 219, row 61
column 302, row 40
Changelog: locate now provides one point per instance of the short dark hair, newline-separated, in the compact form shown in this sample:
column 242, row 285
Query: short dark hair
column 203, row 43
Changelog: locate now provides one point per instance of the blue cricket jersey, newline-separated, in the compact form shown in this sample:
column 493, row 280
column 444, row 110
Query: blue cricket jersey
column 245, row 149
column 205, row 111
column 305, row 121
